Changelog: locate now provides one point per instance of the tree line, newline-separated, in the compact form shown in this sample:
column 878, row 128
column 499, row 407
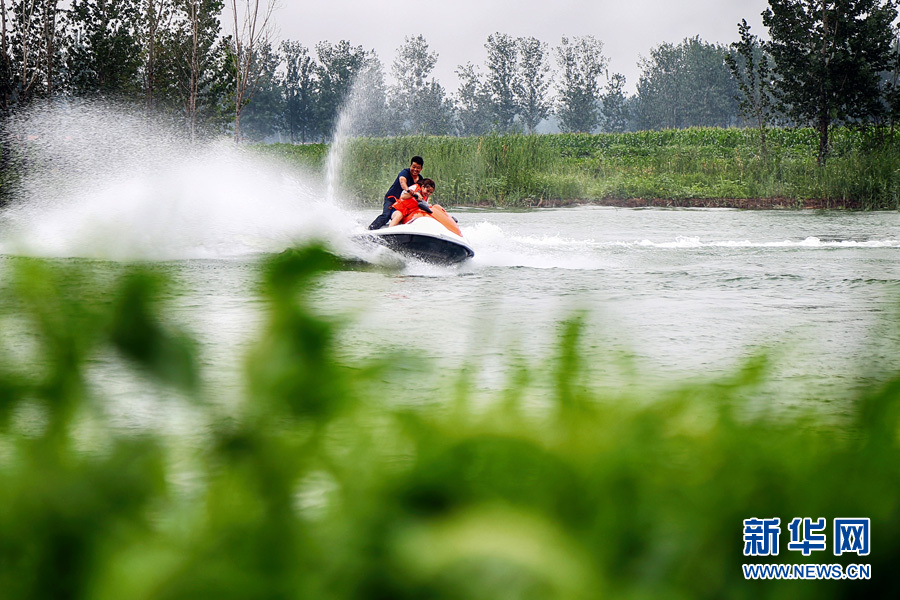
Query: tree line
column 828, row 62
column 174, row 55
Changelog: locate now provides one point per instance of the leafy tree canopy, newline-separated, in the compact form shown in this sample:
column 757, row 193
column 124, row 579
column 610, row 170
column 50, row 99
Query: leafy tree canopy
column 828, row 54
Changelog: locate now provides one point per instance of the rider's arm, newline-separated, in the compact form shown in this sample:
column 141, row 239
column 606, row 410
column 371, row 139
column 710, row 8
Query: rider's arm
column 409, row 193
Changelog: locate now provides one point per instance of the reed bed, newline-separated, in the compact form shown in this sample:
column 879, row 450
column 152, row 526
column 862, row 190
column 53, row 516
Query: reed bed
column 863, row 170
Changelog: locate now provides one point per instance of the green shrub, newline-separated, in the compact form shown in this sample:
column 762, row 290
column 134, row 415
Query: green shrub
column 317, row 487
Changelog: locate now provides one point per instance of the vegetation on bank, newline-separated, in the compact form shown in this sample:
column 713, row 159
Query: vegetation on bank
column 710, row 164
column 317, row 485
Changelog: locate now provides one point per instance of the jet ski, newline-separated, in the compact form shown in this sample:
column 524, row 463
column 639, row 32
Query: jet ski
column 434, row 238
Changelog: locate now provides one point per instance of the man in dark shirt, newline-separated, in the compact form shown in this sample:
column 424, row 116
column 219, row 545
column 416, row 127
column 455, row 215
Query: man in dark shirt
column 406, row 178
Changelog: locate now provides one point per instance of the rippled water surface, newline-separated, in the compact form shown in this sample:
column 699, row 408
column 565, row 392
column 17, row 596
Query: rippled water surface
column 687, row 293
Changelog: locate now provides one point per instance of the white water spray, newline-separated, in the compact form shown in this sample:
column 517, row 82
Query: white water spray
column 359, row 115
column 102, row 181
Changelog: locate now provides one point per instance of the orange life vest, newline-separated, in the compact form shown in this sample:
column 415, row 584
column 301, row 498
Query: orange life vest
column 409, row 207
column 410, row 210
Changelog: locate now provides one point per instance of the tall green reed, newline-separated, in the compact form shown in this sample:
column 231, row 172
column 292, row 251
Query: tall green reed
column 698, row 163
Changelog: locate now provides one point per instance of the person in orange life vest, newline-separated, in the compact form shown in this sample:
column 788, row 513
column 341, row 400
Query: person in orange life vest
column 413, row 203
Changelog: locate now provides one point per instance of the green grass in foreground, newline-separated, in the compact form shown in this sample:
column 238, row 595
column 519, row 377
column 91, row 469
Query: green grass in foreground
column 317, row 486
column 523, row 170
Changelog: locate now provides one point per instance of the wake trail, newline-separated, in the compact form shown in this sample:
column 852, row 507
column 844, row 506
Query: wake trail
column 498, row 247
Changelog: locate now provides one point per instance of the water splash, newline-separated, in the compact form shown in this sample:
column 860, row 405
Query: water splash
column 361, row 114
column 103, row 181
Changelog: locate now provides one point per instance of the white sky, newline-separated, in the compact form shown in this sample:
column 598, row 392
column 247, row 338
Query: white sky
column 458, row 29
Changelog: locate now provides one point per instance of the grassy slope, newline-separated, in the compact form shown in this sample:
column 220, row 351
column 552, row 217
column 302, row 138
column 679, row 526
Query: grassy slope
column 714, row 166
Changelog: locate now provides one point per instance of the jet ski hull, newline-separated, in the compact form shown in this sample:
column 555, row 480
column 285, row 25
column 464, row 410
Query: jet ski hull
column 427, row 248
column 425, row 239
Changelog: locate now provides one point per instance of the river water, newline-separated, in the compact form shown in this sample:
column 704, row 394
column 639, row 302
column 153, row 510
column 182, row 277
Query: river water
column 666, row 295
column 685, row 293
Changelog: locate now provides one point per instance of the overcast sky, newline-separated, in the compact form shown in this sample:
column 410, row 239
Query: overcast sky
column 458, row 29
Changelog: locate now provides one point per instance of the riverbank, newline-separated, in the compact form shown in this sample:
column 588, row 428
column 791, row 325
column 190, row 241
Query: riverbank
column 737, row 203
column 690, row 167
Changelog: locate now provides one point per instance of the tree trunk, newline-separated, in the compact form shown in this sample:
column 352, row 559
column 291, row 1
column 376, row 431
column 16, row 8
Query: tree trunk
column 249, row 38
column 153, row 23
column 28, row 71
column 49, row 43
column 195, row 70
column 7, row 66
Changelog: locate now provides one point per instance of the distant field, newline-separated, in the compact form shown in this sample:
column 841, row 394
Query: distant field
column 713, row 166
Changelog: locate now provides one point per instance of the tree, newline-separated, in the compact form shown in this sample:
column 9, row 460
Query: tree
column 337, row 69
column 581, row 62
column 662, row 91
column 298, row 86
column 434, row 115
column 193, row 72
column 749, row 65
column 193, row 11
column 34, row 51
column 418, row 105
column 532, row 82
column 891, row 85
column 156, row 17
column 262, row 114
column 502, row 58
column 252, row 30
column 411, row 68
column 104, row 50
column 829, row 54
column 6, row 71
column 687, row 85
column 615, row 105
column 473, row 102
